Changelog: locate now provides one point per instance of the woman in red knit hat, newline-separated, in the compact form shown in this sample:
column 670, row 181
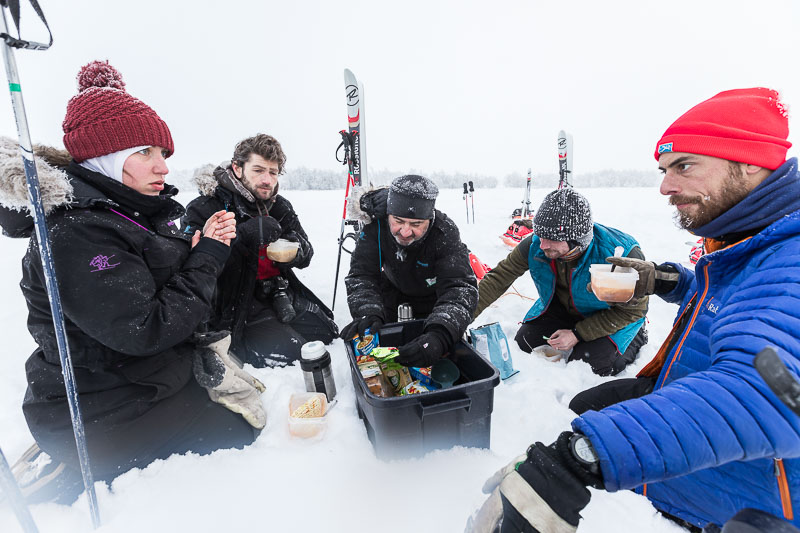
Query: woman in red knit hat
column 134, row 291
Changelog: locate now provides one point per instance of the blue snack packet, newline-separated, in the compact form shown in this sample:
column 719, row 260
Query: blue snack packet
column 490, row 341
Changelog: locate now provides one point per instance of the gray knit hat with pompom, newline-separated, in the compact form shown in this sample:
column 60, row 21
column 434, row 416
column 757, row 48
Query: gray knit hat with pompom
column 565, row 215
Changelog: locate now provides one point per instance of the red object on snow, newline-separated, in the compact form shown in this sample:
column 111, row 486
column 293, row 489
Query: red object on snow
column 478, row 267
column 518, row 230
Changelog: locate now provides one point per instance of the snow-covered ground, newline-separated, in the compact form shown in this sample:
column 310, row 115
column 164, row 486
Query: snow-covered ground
column 336, row 484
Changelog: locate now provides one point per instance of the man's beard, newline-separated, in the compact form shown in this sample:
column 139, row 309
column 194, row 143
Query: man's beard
column 732, row 191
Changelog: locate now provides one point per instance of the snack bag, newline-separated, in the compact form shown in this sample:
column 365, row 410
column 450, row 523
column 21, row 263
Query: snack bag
column 490, row 341
column 373, row 377
column 415, row 387
column 396, row 374
column 423, row 375
column 363, row 346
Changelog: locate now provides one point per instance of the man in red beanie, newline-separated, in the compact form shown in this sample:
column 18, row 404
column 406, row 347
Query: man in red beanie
column 698, row 431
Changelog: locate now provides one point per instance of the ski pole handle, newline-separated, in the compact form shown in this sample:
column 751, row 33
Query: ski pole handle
column 778, row 377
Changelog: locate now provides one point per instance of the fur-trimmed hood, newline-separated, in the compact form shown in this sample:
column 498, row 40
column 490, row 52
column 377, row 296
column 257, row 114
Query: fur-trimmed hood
column 53, row 182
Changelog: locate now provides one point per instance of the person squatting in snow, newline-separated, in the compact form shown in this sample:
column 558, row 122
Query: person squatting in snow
column 269, row 312
column 134, row 290
column 410, row 252
column 567, row 315
column 698, row 431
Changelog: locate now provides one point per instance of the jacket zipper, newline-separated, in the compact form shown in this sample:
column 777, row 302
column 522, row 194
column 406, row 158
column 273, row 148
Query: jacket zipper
column 783, row 488
column 689, row 326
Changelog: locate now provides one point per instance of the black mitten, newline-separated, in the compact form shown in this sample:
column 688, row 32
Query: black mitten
column 258, row 230
column 425, row 350
column 558, row 477
column 358, row 326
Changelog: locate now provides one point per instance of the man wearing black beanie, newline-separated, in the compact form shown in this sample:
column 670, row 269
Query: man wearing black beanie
column 410, row 252
column 567, row 315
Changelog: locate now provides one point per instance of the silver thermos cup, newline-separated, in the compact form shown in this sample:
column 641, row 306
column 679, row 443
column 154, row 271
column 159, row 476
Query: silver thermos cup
column 404, row 312
column 315, row 362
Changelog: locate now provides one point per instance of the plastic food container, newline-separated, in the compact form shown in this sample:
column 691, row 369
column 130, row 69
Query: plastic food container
column 550, row 353
column 282, row 250
column 310, row 427
column 617, row 286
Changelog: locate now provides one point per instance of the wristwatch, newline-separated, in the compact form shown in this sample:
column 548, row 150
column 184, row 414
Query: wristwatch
column 583, row 451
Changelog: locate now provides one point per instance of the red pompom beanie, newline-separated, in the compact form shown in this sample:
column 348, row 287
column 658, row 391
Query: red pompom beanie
column 743, row 125
column 102, row 118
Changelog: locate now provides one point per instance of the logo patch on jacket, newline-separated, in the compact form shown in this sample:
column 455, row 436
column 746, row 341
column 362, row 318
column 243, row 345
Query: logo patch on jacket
column 102, row 262
column 431, row 281
column 712, row 307
column 400, row 254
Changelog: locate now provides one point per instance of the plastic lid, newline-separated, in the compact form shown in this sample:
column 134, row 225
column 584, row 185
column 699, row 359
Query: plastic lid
column 312, row 350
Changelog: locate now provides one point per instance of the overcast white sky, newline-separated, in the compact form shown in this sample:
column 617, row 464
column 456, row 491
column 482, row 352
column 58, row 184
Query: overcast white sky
column 465, row 85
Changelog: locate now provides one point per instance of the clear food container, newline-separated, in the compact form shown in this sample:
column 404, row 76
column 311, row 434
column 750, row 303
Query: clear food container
column 550, row 353
column 615, row 287
column 282, row 250
column 307, row 414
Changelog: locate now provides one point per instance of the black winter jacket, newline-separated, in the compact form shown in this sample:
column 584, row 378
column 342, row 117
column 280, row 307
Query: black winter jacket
column 133, row 293
column 236, row 286
column 432, row 274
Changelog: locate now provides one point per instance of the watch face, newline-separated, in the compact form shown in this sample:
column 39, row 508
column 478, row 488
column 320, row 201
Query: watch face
column 583, row 450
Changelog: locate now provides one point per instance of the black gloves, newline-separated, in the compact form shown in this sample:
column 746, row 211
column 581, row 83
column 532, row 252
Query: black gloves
column 424, row 350
column 542, row 491
column 360, row 325
column 258, row 230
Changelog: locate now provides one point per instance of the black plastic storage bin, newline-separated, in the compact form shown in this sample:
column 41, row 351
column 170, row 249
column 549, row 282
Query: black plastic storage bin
column 410, row 426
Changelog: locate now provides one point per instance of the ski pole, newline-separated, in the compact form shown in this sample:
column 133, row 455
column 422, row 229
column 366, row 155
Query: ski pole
column 466, row 203
column 527, row 212
column 11, row 489
column 32, row 179
column 472, row 199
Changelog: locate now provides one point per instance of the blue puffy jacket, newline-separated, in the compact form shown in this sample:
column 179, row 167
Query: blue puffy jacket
column 712, row 438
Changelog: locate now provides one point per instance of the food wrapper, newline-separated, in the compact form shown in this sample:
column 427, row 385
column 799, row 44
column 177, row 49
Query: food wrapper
column 368, row 366
column 423, row 375
column 396, row 374
column 415, row 387
column 365, row 345
column 312, row 408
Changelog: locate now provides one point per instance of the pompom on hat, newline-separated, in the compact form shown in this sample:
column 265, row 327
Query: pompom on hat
column 103, row 118
column 742, row 125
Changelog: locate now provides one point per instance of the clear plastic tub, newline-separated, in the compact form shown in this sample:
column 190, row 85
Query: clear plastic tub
column 550, row 353
column 615, row 287
column 282, row 250
column 308, row 427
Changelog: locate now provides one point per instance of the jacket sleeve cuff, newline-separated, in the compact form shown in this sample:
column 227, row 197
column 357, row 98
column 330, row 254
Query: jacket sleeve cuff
column 214, row 248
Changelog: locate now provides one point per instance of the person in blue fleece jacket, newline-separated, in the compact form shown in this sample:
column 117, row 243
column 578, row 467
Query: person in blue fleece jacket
column 698, row 432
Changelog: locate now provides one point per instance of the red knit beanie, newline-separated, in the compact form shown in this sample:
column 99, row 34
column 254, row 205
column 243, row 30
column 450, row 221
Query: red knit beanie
column 743, row 125
column 102, row 118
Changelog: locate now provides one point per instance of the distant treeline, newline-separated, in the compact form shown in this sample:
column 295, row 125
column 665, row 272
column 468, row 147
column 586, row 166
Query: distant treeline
column 303, row 178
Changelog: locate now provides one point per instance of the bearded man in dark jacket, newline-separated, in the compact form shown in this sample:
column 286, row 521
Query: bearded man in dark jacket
column 269, row 312
column 410, row 253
